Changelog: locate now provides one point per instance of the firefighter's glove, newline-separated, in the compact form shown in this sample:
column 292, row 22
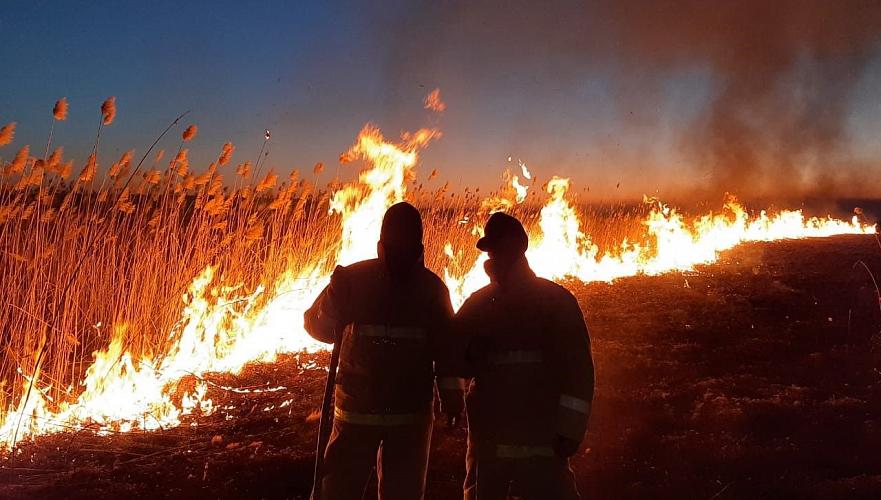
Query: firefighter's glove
column 452, row 405
column 565, row 447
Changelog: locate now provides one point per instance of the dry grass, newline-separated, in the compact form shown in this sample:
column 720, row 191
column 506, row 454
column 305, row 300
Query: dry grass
column 81, row 252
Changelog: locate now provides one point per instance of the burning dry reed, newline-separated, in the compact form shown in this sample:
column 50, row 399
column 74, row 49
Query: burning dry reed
column 82, row 253
column 120, row 276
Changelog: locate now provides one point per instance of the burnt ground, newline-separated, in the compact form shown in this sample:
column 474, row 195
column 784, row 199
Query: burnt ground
column 754, row 378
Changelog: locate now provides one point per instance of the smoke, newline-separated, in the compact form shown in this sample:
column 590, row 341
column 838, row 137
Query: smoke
column 783, row 73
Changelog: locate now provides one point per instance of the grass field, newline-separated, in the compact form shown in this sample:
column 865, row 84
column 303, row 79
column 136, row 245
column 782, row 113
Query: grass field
column 160, row 297
column 756, row 377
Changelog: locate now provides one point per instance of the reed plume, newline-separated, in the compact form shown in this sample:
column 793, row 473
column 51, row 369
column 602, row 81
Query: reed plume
column 20, row 161
column 59, row 112
column 244, row 169
column 152, row 177
column 108, row 110
column 189, row 133
column 7, row 133
column 226, row 153
column 180, row 164
column 53, row 164
column 120, row 168
column 268, row 182
column 65, row 170
column 90, row 169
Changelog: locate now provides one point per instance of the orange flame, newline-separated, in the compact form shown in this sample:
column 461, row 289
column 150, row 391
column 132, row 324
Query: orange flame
column 120, row 393
column 222, row 328
column 434, row 103
column 560, row 249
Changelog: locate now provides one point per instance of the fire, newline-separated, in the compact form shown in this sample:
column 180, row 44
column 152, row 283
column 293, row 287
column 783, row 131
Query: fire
column 362, row 205
column 559, row 249
column 434, row 103
column 519, row 188
column 222, row 328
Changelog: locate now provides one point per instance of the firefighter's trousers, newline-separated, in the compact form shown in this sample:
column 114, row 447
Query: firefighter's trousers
column 530, row 474
column 399, row 451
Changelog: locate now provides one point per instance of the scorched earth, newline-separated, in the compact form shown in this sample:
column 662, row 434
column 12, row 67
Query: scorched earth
column 755, row 377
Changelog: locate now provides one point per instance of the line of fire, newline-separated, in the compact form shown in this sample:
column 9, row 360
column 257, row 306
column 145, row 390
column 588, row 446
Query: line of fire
column 180, row 328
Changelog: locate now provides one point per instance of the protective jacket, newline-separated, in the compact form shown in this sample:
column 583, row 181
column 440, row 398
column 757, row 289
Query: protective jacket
column 528, row 354
column 394, row 331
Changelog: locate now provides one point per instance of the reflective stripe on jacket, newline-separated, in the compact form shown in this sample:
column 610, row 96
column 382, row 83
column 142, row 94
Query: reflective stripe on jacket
column 378, row 419
column 394, row 332
column 528, row 351
column 391, row 332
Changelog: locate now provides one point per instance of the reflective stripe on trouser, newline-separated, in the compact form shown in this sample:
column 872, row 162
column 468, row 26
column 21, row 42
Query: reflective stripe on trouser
column 515, row 451
column 401, row 461
column 377, row 419
column 390, row 332
column 572, row 417
column 573, row 403
column 530, row 478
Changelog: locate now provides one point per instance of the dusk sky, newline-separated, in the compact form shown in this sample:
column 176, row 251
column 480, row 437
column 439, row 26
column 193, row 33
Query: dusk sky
column 605, row 92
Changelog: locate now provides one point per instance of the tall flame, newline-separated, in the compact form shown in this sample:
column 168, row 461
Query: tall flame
column 362, row 205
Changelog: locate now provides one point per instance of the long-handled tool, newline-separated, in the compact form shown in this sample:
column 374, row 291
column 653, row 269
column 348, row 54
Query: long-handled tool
column 325, row 424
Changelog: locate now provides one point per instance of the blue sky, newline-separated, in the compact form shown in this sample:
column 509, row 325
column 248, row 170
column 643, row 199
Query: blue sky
column 315, row 72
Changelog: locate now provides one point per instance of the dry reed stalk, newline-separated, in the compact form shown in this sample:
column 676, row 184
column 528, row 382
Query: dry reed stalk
column 109, row 110
column 250, row 239
column 59, row 113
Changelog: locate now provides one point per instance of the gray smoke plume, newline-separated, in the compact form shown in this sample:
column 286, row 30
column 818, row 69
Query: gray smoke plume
column 783, row 72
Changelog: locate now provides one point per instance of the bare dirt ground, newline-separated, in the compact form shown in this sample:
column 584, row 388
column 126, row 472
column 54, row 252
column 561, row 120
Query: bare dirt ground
column 754, row 378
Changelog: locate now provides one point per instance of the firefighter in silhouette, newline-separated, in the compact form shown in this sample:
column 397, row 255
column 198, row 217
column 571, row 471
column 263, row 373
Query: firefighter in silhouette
column 526, row 347
column 393, row 316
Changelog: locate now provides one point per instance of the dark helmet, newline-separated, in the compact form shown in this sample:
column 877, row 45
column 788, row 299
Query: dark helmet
column 401, row 226
column 400, row 239
column 503, row 234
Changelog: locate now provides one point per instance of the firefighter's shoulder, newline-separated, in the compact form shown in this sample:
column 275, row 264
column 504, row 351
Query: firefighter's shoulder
column 480, row 298
column 364, row 267
column 427, row 277
column 432, row 281
column 359, row 273
column 555, row 293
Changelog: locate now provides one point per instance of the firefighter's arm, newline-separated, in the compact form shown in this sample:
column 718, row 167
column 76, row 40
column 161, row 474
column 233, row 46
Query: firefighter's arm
column 330, row 312
column 450, row 385
column 572, row 344
column 471, row 347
